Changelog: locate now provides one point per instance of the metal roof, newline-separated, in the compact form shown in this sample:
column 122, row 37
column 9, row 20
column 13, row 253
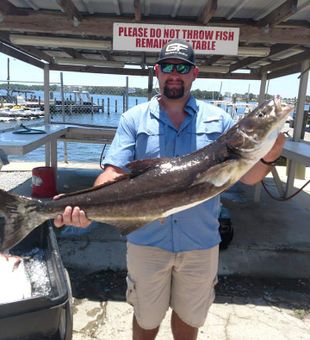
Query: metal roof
column 282, row 28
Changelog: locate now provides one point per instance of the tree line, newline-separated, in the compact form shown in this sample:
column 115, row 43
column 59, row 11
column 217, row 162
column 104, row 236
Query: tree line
column 133, row 91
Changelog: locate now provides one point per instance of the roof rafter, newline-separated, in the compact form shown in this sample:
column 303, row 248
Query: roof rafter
column 250, row 60
column 288, row 8
column 73, row 53
column 42, row 22
column 68, row 7
column 137, row 6
column 295, row 59
column 6, row 49
column 7, row 8
column 208, row 12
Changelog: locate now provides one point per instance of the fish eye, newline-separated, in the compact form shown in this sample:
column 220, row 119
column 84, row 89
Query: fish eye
column 261, row 114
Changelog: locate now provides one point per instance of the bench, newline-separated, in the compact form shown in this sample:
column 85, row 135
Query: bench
column 20, row 144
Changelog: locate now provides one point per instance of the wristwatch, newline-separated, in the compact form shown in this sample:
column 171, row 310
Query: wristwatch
column 271, row 163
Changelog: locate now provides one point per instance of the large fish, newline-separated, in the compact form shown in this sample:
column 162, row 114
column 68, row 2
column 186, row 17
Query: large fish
column 156, row 188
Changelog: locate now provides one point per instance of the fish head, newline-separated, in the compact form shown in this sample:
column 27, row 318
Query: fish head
column 260, row 128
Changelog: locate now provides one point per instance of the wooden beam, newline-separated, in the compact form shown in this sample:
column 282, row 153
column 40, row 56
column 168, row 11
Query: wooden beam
column 52, row 23
column 37, row 53
column 295, row 59
column 246, row 76
column 19, row 55
column 284, row 72
column 145, row 72
column 242, row 63
column 6, row 8
column 68, row 7
column 73, row 53
column 250, row 60
column 208, row 12
column 212, row 60
column 274, row 35
column 5, row 37
column 137, row 6
column 103, row 70
column 287, row 9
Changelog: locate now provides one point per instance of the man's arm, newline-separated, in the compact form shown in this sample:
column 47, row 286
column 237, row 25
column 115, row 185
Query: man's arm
column 260, row 170
column 77, row 217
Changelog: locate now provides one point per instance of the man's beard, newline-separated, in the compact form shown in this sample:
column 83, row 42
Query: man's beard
column 173, row 93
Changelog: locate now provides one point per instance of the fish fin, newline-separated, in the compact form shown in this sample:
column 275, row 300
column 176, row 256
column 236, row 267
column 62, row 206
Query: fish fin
column 218, row 175
column 139, row 166
column 20, row 217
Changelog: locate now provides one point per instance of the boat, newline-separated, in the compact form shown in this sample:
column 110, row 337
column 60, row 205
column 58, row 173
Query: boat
column 77, row 102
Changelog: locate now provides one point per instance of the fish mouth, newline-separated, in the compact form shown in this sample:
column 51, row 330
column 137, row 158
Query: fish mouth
column 282, row 110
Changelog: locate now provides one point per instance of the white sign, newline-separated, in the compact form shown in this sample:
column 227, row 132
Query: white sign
column 151, row 38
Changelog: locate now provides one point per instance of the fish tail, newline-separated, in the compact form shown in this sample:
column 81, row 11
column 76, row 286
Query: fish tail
column 18, row 217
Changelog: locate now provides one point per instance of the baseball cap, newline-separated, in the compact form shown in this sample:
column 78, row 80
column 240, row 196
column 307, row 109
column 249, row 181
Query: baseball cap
column 177, row 49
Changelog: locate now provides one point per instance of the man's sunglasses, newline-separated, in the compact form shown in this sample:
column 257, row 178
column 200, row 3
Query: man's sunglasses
column 180, row 68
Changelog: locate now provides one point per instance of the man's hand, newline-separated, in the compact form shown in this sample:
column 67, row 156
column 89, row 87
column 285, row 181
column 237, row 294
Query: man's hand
column 71, row 216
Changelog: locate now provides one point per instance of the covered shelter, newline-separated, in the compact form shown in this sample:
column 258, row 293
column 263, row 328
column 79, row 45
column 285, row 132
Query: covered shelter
column 77, row 35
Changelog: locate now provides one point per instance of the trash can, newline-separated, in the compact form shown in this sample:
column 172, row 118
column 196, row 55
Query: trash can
column 42, row 317
column 43, row 182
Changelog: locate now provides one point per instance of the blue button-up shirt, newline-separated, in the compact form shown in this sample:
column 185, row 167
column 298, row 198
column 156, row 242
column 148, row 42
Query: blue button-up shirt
column 145, row 131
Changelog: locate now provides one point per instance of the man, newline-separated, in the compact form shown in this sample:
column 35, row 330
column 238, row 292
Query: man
column 173, row 262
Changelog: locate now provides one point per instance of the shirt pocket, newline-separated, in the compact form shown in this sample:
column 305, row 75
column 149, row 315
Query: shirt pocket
column 207, row 132
column 148, row 142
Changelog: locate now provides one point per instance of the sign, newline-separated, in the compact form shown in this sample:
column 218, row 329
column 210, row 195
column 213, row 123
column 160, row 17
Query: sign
column 151, row 38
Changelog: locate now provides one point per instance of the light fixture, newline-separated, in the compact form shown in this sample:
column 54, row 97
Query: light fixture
column 214, row 69
column 88, row 62
column 33, row 40
column 248, row 51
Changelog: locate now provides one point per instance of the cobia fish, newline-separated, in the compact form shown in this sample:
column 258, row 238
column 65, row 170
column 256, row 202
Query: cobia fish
column 157, row 188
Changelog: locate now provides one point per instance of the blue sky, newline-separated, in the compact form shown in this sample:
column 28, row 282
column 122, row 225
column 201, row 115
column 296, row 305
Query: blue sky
column 287, row 87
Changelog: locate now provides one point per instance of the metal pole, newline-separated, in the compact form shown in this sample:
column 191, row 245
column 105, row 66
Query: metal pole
column 47, row 117
column 300, row 108
column 261, row 97
column 126, row 97
column 150, row 83
column 262, row 90
column 8, row 79
column 63, row 113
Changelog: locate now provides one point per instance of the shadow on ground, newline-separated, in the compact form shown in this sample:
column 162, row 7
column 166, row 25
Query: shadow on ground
column 292, row 294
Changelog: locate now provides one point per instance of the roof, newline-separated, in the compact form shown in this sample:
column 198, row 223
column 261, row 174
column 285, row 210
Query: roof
column 274, row 35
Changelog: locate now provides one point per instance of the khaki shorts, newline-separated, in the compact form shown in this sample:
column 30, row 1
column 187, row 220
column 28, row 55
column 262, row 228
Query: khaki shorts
column 158, row 279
